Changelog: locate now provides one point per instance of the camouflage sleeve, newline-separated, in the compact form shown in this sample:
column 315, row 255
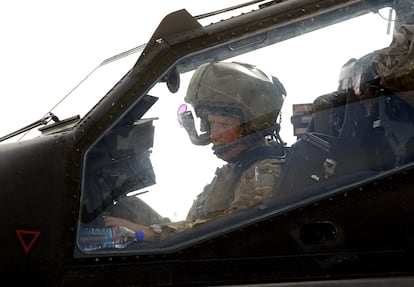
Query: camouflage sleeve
column 257, row 184
column 191, row 219
column 184, row 225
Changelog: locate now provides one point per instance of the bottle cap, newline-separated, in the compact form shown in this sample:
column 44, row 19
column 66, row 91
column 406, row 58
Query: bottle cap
column 139, row 235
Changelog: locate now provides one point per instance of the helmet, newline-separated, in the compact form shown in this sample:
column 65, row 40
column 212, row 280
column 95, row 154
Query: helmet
column 238, row 89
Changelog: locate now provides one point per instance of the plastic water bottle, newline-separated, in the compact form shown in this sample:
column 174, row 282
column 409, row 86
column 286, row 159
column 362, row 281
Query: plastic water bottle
column 108, row 237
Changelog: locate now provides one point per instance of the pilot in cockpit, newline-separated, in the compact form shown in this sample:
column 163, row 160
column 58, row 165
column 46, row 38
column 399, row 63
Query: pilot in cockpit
column 238, row 107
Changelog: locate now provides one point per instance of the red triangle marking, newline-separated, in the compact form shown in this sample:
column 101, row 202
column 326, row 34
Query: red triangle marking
column 20, row 234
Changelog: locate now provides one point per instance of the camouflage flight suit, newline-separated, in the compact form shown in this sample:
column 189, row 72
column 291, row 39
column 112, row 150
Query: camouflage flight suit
column 235, row 187
column 395, row 64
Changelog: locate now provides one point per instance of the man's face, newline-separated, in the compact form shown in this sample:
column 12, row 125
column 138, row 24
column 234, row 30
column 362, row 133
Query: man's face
column 226, row 130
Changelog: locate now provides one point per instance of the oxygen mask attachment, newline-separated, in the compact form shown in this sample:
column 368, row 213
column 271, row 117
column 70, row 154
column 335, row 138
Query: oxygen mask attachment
column 186, row 120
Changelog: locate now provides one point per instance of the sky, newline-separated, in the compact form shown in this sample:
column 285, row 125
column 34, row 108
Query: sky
column 49, row 46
